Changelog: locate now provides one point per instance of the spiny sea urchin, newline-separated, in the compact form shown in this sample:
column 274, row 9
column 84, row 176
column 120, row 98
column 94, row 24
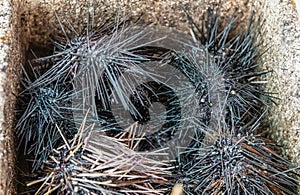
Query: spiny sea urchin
column 230, row 162
column 48, row 104
column 237, row 57
column 93, row 163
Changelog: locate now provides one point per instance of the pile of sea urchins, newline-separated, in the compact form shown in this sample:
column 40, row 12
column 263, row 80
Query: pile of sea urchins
column 126, row 109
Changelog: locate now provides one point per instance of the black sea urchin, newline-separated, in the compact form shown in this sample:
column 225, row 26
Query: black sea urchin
column 237, row 57
column 48, row 104
column 94, row 163
column 232, row 163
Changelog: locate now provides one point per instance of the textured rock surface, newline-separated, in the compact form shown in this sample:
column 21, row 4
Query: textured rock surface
column 283, row 32
column 24, row 24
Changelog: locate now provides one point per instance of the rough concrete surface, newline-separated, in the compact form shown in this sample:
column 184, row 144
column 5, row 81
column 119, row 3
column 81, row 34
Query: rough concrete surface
column 26, row 23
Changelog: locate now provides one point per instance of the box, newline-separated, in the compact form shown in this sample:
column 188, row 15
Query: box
column 28, row 24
